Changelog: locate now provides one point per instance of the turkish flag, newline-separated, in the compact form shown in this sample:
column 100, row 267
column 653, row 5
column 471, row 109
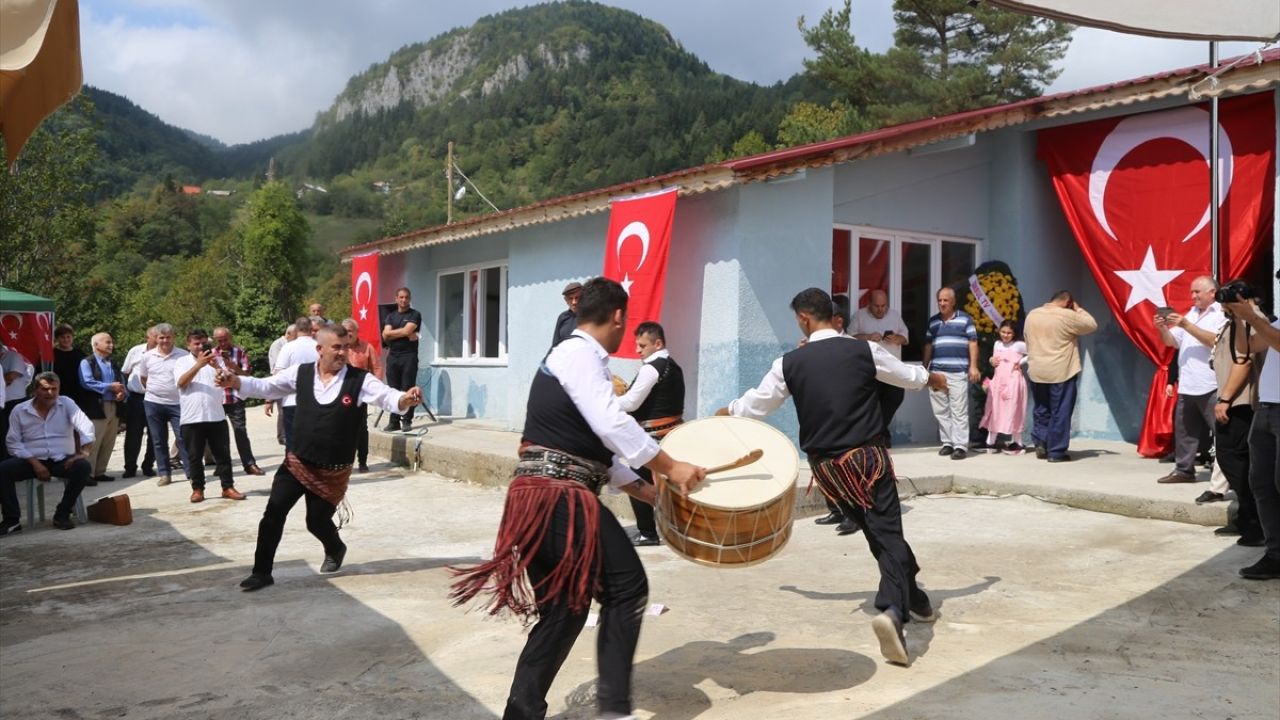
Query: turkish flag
column 635, row 255
column 364, row 297
column 1135, row 191
column 31, row 334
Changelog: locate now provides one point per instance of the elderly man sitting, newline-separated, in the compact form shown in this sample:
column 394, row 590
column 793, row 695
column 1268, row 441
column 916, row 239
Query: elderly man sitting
column 48, row 436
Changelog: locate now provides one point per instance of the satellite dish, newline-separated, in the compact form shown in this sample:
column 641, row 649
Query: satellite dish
column 461, row 191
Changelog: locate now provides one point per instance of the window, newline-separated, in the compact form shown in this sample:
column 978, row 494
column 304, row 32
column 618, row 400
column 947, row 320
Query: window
column 910, row 267
column 472, row 323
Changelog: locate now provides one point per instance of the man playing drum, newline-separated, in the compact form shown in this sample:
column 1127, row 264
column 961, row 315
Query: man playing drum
column 576, row 439
column 841, row 432
column 656, row 400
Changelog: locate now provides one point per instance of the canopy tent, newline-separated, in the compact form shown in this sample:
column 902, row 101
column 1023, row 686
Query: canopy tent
column 1193, row 20
column 39, row 65
column 26, row 325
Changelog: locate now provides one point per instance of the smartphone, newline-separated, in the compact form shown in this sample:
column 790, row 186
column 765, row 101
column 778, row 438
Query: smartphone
column 1164, row 311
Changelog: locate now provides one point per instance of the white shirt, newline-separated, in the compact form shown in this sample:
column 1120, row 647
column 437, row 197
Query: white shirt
column 772, row 391
column 201, row 399
column 132, row 368
column 1269, row 375
column 864, row 323
column 1017, row 346
column 1195, row 377
column 582, row 368
column 643, row 384
column 50, row 437
column 372, row 391
column 158, row 371
column 294, row 353
column 12, row 361
column 273, row 352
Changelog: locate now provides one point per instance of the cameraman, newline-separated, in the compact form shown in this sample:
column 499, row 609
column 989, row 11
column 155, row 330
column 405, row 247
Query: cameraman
column 1264, row 434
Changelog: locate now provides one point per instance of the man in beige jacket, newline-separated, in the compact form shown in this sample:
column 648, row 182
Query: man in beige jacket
column 1052, row 332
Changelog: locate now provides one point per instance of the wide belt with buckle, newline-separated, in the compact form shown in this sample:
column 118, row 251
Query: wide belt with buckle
column 659, row 427
column 545, row 462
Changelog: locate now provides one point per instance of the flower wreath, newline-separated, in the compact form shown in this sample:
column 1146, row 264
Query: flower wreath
column 993, row 290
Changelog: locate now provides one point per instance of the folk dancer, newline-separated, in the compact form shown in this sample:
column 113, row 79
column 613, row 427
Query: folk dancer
column 842, row 433
column 576, row 440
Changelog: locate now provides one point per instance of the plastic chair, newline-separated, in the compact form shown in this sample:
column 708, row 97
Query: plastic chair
column 35, row 498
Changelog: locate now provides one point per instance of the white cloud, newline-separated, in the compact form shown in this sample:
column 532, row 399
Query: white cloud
column 241, row 70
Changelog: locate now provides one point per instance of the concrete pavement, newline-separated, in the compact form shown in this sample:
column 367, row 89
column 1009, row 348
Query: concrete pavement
column 1047, row 611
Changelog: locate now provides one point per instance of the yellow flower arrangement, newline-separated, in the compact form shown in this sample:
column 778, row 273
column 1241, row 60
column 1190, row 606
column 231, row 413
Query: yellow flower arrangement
column 1002, row 290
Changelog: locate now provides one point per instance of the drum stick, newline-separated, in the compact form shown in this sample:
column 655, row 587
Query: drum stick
column 747, row 459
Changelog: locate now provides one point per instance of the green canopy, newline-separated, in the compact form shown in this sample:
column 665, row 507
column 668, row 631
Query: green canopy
column 17, row 301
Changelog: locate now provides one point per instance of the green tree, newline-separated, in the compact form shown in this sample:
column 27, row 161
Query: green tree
column 809, row 122
column 947, row 57
column 269, row 268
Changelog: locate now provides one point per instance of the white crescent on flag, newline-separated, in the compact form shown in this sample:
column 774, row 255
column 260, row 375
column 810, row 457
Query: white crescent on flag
column 1188, row 125
column 639, row 230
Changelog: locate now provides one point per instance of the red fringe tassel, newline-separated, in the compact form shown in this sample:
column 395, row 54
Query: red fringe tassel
column 526, row 518
column 852, row 476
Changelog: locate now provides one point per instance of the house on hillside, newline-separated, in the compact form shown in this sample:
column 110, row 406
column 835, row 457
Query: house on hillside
column 191, row 190
column 941, row 196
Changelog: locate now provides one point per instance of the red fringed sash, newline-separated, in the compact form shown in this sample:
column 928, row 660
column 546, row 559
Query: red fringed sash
column 852, row 477
column 526, row 518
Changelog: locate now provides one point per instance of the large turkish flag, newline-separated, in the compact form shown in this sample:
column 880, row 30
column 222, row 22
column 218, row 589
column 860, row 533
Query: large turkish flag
column 364, row 297
column 635, row 255
column 31, row 334
column 1135, row 191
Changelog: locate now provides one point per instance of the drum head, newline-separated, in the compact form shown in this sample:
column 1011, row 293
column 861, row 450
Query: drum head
column 717, row 440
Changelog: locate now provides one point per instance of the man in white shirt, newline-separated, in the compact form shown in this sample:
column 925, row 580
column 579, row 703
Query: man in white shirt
column 204, row 420
column 49, row 436
column 135, row 423
column 317, row 466
column 300, row 350
column 1193, row 334
column 17, row 375
column 883, row 326
column 273, row 352
column 576, row 439
column 841, row 433
column 656, row 400
column 162, row 401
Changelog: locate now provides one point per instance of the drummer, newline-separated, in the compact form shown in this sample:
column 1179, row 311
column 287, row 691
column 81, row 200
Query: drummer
column 841, row 432
column 576, row 439
column 656, row 400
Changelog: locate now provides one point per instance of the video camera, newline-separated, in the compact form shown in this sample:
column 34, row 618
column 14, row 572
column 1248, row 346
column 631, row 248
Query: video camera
column 1235, row 292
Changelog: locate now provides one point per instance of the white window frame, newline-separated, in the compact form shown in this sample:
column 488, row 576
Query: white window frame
column 896, row 238
column 467, row 358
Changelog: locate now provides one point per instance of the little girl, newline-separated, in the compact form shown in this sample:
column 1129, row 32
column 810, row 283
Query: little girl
column 1007, row 393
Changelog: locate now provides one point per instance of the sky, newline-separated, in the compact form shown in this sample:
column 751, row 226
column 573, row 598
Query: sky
column 244, row 70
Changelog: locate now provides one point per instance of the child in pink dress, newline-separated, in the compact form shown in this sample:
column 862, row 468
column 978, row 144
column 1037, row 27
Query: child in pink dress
column 1006, row 411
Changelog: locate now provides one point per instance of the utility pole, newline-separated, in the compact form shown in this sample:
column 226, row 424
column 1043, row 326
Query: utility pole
column 271, row 169
column 448, row 174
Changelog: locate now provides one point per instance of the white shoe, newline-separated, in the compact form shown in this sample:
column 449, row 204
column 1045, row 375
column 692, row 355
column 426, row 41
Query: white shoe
column 164, row 480
column 888, row 629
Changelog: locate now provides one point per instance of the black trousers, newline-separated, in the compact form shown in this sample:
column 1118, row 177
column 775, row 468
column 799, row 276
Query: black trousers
column 643, row 510
column 15, row 469
column 214, row 436
column 235, row 416
column 882, row 527
column 402, row 374
column 1264, row 473
column 623, row 597
column 285, row 493
column 135, row 427
column 1232, row 440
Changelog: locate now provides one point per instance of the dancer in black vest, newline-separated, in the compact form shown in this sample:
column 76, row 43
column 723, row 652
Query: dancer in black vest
column 656, row 400
column 575, row 440
column 331, row 399
column 833, row 380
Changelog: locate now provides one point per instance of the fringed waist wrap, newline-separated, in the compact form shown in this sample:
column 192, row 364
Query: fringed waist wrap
column 851, row 477
column 526, row 520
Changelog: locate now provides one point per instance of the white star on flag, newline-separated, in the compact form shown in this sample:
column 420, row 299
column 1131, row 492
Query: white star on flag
column 1147, row 282
column 626, row 283
column 364, row 312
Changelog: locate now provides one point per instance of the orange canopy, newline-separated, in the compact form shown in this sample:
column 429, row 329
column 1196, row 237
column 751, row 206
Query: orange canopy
column 39, row 65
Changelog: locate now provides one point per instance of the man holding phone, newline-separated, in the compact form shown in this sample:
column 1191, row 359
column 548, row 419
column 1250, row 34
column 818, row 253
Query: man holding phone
column 203, row 419
column 1193, row 334
column 879, row 324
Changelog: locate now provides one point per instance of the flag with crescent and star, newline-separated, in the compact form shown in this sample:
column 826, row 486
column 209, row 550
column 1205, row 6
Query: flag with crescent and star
column 31, row 334
column 364, row 297
column 1135, row 191
column 635, row 254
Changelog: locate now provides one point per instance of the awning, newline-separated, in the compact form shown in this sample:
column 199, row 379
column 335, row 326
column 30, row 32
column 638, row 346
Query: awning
column 1193, row 20
column 18, row 301
column 39, row 65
